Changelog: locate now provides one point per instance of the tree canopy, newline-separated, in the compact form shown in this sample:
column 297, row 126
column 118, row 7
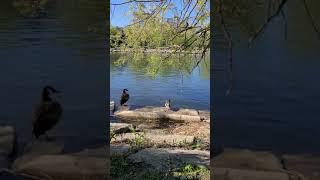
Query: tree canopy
column 179, row 25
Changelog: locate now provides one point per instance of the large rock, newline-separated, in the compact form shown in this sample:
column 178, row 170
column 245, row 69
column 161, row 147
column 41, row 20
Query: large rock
column 170, row 139
column 242, row 174
column 96, row 152
column 66, row 167
column 150, row 112
column 7, row 138
column 120, row 149
column 246, row 159
column 205, row 115
column 37, row 148
column 118, row 128
column 164, row 159
column 7, row 141
column 307, row 165
column 190, row 112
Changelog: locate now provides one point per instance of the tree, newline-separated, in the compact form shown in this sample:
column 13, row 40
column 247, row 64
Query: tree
column 187, row 28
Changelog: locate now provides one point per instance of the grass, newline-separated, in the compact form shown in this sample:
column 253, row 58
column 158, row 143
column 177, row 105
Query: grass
column 190, row 171
column 122, row 169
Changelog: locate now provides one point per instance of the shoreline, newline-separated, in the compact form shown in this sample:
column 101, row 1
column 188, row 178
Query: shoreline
column 157, row 50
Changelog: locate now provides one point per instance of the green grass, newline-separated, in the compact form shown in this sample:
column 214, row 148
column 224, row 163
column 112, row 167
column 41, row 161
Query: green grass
column 122, row 169
column 190, row 171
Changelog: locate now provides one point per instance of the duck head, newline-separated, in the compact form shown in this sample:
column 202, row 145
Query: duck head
column 47, row 92
column 124, row 90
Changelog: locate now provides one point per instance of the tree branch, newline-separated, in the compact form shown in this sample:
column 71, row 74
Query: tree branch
column 311, row 18
column 269, row 19
column 131, row 1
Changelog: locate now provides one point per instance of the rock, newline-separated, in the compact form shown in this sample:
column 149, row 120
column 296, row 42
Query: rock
column 182, row 117
column 119, row 128
column 190, row 112
column 119, row 149
column 164, row 159
column 143, row 126
column 140, row 114
column 205, row 115
column 7, row 138
column 36, row 149
column 246, row 159
column 7, row 141
column 242, row 174
column 97, row 152
column 170, row 139
column 307, row 165
column 66, row 167
column 159, row 113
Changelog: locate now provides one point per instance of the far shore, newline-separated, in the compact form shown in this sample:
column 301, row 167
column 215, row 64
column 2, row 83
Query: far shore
column 157, row 50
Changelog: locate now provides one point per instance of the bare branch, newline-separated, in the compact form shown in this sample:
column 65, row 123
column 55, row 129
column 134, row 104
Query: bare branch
column 131, row 1
column 227, row 35
column 269, row 19
column 285, row 25
column 311, row 18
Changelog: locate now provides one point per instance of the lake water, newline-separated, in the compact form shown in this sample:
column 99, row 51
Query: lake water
column 65, row 49
column 178, row 81
column 274, row 104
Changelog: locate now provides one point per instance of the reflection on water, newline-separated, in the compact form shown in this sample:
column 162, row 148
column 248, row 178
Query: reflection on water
column 152, row 79
column 56, row 49
column 275, row 100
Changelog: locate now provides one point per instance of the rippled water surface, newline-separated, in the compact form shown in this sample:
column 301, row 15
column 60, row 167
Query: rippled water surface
column 64, row 49
column 179, row 81
column 274, row 104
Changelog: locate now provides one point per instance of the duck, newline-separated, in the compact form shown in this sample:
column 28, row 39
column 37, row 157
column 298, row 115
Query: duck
column 124, row 97
column 112, row 107
column 167, row 104
column 47, row 114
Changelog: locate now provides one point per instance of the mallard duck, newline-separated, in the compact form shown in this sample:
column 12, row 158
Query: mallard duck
column 124, row 97
column 47, row 114
column 167, row 105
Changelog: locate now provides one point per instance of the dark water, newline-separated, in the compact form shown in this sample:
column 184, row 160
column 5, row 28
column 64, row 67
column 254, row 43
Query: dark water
column 274, row 104
column 65, row 49
column 176, row 81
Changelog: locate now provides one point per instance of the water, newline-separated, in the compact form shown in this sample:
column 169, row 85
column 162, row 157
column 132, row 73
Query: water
column 64, row 49
column 274, row 104
column 177, row 81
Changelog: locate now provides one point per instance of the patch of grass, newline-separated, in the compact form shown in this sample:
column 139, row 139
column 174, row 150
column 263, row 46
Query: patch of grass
column 124, row 170
column 119, row 166
column 139, row 140
column 190, row 171
column 197, row 143
column 112, row 135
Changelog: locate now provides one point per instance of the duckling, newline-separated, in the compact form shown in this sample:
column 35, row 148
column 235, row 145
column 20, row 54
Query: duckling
column 124, row 97
column 47, row 114
column 167, row 105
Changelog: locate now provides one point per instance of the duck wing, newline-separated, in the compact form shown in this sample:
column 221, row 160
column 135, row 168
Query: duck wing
column 46, row 115
column 124, row 98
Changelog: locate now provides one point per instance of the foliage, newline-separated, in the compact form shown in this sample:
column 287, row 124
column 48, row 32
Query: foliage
column 31, row 8
column 186, row 29
column 139, row 140
column 190, row 171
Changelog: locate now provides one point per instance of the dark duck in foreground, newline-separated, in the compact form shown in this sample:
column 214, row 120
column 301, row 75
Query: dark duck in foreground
column 124, row 97
column 47, row 114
